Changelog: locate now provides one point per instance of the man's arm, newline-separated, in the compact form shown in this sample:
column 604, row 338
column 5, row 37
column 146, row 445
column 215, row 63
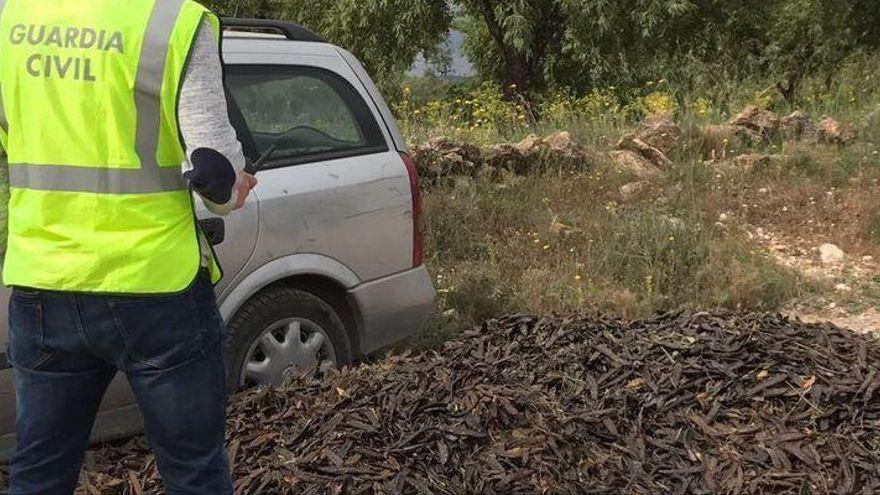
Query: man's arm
column 215, row 161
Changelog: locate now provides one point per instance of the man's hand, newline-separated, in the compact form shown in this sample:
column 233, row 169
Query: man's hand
column 243, row 189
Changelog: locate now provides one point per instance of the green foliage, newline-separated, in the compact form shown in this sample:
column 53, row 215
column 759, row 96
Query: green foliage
column 509, row 40
column 493, row 249
column 262, row 9
column 531, row 47
column 386, row 36
column 582, row 44
column 815, row 36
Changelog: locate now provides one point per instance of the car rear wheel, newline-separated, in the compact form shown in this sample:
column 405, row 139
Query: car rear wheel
column 280, row 329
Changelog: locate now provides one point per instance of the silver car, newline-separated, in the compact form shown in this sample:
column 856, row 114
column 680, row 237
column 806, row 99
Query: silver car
column 325, row 262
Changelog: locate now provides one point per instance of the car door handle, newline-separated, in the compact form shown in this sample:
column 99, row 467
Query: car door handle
column 214, row 229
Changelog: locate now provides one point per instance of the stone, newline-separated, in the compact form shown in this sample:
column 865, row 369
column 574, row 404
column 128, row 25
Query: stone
column 633, row 189
column 722, row 134
column 530, row 144
column 756, row 124
column 655, row 137
column 831, row 254
column 444, row 145
column 636, row 145
column 635, row 164
column 440, row 157
column 660, row 132
column 560, row 141
column 842, row 288
column 506, row 156
column 750, row 161
column 798, row 127
column 716, row 141
column 561, row 144
column 834, row 132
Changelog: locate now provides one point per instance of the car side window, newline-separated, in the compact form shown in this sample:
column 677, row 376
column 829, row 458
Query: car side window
column 309, row 114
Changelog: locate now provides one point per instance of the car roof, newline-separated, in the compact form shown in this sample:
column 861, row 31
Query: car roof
column 245, row 42
column 243, row 35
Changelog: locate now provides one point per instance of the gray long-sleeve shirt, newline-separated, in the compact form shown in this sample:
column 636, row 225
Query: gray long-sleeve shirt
column 202, row 112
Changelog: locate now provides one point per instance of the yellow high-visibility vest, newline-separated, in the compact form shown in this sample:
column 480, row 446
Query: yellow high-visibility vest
column 89, row 125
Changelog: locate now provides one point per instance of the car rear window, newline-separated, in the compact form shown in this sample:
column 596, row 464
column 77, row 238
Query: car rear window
column 309, row 114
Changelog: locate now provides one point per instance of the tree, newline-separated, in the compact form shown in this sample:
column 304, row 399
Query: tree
column 510, row 41
column 385, row 35
column 815, row 36
column 534, row 44
column 581, row 44
column 529, row 46
column 261, row 9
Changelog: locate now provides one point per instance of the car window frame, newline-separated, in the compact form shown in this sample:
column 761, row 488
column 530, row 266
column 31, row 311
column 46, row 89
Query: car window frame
column 363, row 115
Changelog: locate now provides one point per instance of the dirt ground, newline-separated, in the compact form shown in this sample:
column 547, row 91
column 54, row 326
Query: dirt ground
column 853, row 305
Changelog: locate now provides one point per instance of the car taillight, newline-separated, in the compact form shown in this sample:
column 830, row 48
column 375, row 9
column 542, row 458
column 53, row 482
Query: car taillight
column 418, row 226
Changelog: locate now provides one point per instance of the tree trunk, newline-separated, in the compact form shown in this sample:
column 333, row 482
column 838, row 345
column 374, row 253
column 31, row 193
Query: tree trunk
column 517, row 77
column 829, row 81
column 789, row 88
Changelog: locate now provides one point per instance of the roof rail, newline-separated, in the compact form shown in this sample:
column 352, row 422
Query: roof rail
column 291, row 31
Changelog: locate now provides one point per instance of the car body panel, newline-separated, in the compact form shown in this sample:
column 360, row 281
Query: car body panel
column 285, row 268
column 358, row 210
column 241, row 231
column 392, row 307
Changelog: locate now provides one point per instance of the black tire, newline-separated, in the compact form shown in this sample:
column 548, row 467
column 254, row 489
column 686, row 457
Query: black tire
column 275, row 304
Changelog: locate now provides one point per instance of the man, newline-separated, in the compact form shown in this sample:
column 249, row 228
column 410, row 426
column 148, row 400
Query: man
column 102, row 102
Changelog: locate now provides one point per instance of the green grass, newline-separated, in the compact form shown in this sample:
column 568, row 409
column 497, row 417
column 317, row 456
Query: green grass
column 562, row 238
column 563, row 243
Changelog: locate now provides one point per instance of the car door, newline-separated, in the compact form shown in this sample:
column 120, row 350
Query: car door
column 334, row 187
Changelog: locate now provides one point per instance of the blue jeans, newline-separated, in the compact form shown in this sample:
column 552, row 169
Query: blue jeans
column 66, row 348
